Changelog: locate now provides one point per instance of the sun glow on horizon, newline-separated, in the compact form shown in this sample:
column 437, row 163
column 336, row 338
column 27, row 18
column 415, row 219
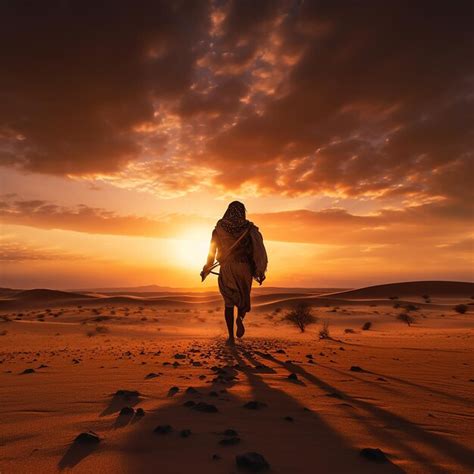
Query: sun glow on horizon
column 192, row 248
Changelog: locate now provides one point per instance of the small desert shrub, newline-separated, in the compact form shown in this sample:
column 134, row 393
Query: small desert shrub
column 393, row 297
column 366, row 326
column 410, row 307
column 324, row 331
column 396, row 305
column 349, row 331
column 301, row 316
column 461, row 308
column 278, row 310
column 406, row 318
column 97, row 330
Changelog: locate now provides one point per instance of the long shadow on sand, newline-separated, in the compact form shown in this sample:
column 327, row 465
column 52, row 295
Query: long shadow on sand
column 119, row 400
column 75, row 454
column 405, row 428
column 291, row 438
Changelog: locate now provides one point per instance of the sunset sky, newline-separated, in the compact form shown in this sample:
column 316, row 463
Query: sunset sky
column 126, row 128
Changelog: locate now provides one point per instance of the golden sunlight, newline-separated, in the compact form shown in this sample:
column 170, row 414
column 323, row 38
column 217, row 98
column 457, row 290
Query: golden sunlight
column 191, row 250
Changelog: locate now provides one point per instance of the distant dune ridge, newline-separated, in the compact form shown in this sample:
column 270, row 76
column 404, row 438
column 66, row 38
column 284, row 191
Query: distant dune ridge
column 272, row 297
column 412, row 288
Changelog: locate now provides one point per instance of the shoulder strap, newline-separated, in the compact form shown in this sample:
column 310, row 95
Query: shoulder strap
column 232, row 247
column 204, row 274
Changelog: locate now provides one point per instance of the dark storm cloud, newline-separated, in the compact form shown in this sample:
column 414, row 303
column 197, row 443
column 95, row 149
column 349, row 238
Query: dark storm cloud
column 349, row 98
column 381, row 96
column 79, row 76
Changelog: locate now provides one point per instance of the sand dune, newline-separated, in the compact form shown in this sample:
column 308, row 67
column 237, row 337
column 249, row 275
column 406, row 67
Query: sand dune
column 413, row 288
column 303, row 403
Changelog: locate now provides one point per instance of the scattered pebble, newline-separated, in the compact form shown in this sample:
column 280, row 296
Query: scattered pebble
column 374, row 454
column 127, row 411
column 88, row 437
column 173, row 391
column 254, row 405
column 163, row 429
column 205, row 407
column 29, row 371
column 232, row 441
column 151, row 375
column 252, row 461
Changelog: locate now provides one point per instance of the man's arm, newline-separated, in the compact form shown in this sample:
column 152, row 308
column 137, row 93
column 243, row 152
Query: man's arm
column 211, row 256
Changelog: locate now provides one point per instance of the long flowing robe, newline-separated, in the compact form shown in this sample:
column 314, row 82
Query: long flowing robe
column 246, row 261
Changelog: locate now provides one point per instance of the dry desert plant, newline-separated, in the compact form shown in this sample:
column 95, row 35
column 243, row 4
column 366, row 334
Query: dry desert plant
column 461, row 308
column 301, row 316
column 324, row 331
column 406, row 318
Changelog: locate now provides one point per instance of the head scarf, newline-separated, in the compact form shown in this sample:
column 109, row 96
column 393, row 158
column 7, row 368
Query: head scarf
column 234, row 221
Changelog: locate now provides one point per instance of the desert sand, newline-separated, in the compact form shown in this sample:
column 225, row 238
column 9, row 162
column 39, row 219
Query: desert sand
column 79, row 362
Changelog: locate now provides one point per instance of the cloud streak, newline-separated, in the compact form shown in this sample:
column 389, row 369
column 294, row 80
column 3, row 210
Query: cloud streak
column 432, row 226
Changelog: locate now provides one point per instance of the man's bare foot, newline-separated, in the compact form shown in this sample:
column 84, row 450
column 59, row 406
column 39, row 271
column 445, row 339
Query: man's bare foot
column 230, row 342
column 240, row 326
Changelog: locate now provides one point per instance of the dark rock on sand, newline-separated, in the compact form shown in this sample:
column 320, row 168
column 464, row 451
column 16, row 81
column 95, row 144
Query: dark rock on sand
column 254, row 462
column 254, row 405
column 205, row 407
column 88, row 437
column 29, row 371
column 356, row 368
column 127, row 411
column 288, row 418
column 163, row 429
column 189, row 403
column 374, row 454
column 173, row 391
column 191, row 391
column 140, row 412
column 230, row 432
column 151, row 375
column 216, row 457
column 232, row 441
column 127, row 393
column 185, row 433
column 293, row 377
